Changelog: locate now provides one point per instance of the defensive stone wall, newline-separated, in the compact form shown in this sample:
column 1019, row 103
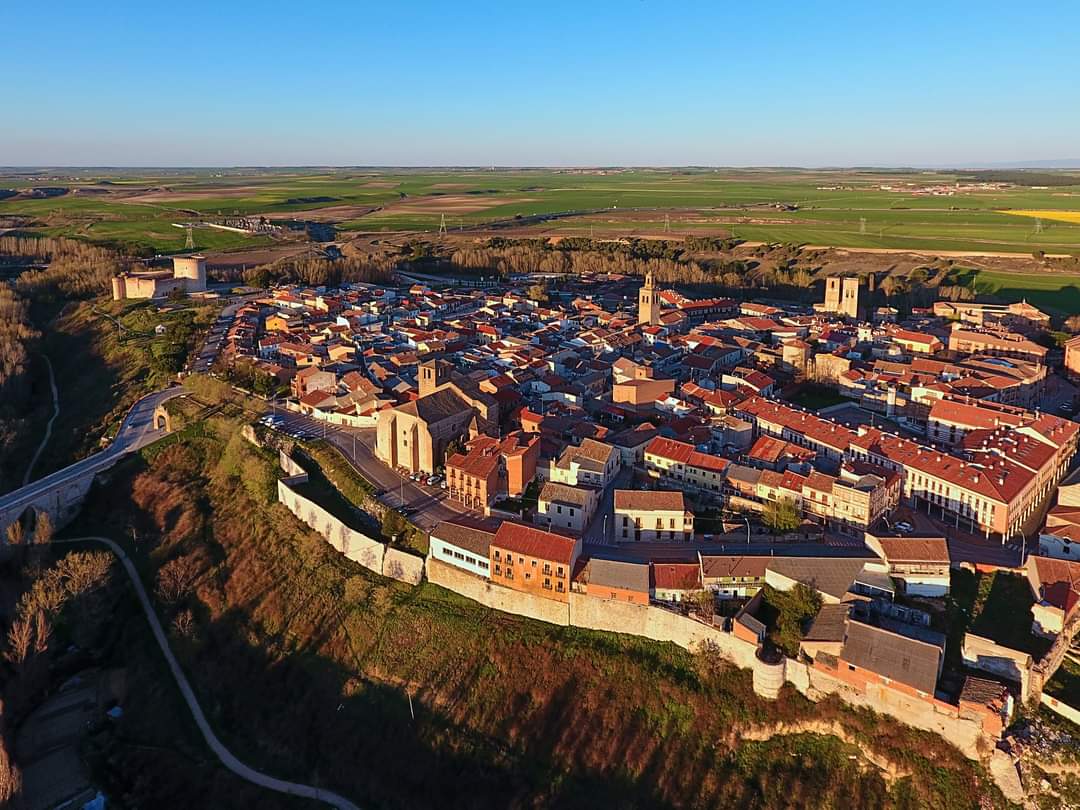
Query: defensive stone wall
column 354, row 545
column 496, row 596
column 357, row 546
column 403, row 566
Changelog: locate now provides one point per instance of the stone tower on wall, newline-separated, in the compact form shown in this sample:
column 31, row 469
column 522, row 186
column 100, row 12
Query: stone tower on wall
column 648, row 303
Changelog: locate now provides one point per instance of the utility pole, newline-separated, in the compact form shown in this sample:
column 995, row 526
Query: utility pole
column 442, row 225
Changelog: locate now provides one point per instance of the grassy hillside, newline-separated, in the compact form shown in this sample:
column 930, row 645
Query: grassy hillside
column 316, row 670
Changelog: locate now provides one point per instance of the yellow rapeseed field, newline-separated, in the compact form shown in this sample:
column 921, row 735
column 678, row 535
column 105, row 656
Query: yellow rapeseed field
column 1058, row 216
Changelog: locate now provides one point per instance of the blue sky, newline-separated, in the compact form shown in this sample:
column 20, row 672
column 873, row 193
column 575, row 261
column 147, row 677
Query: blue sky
column 637, row 82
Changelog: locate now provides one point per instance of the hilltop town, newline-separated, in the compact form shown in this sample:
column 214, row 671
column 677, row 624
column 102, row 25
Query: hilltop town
column 572, row 446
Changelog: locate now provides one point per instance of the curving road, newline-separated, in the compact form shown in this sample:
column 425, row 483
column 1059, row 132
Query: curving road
column 228, row 759
column 136, row 431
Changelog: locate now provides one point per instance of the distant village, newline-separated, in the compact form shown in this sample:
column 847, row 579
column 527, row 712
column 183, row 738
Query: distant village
column 606, row 437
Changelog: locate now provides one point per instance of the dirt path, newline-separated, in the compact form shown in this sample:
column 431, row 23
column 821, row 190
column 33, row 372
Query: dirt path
column 49, row 426
column 227, row 758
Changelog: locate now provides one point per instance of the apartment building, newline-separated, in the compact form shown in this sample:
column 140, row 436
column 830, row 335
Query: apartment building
column 491, row 468
column 998, row 483
column 996, row 344
column 827, row 439
column 680, row 464
column 652, row 515
column 533, row 561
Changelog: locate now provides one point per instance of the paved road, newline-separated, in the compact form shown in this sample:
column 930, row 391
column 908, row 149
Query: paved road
column 228, row 759
column 48, row 427
column 136, row 431
column 208, row 353
column 430, row 504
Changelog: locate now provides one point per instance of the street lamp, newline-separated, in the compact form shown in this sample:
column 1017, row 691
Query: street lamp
column 747, row 529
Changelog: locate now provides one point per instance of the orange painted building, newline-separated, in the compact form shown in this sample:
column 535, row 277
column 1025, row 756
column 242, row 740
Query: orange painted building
column 533, row 561
column 491, row 468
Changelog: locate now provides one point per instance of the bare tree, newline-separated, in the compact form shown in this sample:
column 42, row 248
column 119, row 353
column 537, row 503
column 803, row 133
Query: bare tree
column 84, row 571
column 42, row 632
column 20, row 640
column 16, row 533
column 10, row 778
column 176, row 578
column 183, row 624
column 43, row 529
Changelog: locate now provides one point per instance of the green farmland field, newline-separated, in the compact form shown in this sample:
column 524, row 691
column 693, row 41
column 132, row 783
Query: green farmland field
column 840, row 208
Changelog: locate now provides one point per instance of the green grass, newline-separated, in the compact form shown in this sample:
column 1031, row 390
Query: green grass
column 815, row 397
column 1059, row 292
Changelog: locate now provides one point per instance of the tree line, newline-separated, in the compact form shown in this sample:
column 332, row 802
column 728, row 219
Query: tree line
column 75, row 269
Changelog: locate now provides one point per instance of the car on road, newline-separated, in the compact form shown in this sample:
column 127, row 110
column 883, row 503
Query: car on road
column 904, row 527
column 433, row 480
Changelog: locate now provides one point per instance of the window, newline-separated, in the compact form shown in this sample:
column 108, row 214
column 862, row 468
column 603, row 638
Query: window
column 534, row 563
column 558, row 571
column 448, row 553
column 509, row 573
column 559, row 587
column 496, row 554
column 498, row 570
column 559, row 508
column 571, row 511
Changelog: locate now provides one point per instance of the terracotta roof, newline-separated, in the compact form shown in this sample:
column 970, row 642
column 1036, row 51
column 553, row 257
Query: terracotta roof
column 915, row 549
column 676, row 576
column 683, row 453
column 526, row 540
column 649, row 500
column 1058, row 581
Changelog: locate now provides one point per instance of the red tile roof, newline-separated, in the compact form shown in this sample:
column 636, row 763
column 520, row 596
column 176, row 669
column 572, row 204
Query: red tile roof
column 527, row 541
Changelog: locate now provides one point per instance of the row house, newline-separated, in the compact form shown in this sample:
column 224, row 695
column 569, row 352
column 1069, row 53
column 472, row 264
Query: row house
column 533, row 561
column 652, row 515
column 682, row 465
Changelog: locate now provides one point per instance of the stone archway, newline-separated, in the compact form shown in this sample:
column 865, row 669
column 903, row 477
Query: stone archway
column 162, row 420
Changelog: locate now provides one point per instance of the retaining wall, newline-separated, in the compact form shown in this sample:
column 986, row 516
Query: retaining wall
column 354, row 545
column 403, row 566
column 1064, row 709
column 496, row 596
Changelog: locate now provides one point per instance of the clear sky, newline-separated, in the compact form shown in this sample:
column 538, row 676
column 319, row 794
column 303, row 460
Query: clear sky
column 637, row 82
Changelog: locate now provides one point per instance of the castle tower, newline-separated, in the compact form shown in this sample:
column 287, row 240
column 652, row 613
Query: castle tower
column 193, row 270
column 648, row 303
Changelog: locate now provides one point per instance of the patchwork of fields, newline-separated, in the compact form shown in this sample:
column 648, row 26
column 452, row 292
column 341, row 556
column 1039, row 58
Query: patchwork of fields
column 843, row 208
